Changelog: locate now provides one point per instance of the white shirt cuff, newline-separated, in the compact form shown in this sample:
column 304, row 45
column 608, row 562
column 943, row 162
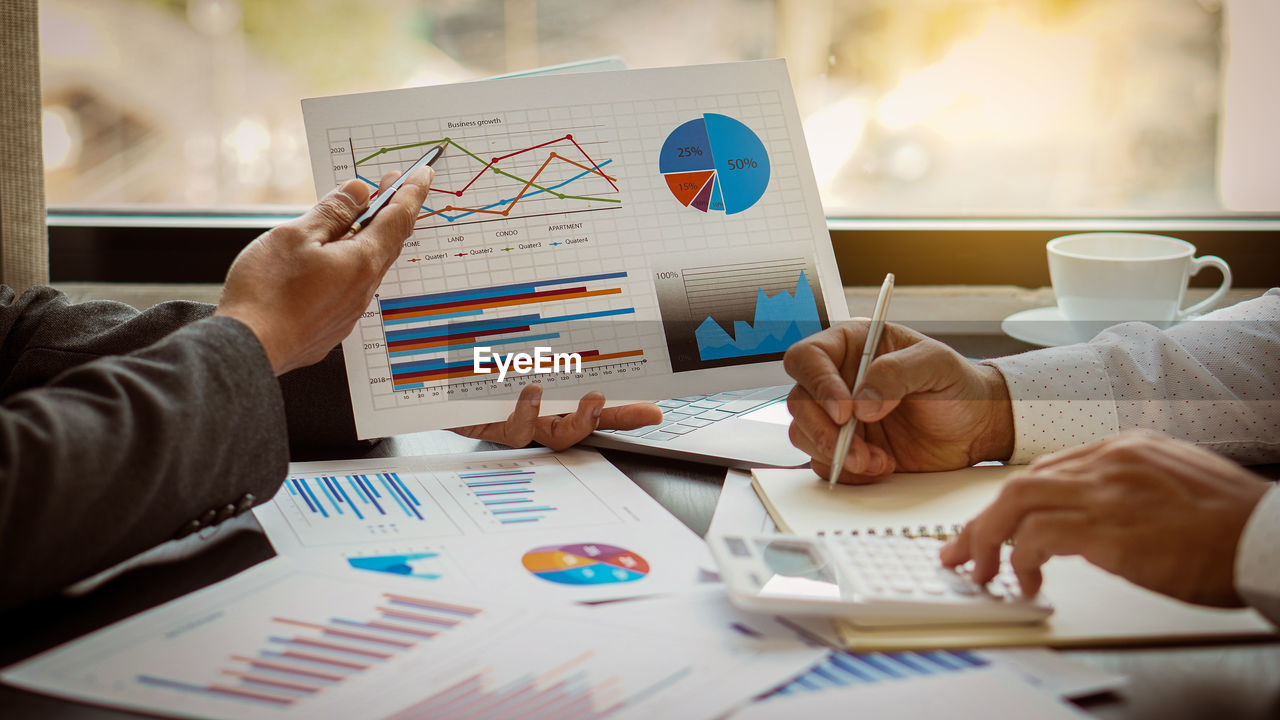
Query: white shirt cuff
column 1061, row 398
column 1258, row 557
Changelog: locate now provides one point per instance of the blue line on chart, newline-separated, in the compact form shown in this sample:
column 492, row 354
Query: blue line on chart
column 500, row 202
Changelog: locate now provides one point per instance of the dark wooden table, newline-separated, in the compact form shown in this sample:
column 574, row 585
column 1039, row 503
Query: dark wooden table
column 1167, row 683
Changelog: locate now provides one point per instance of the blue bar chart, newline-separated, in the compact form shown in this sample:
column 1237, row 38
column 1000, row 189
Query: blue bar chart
column 843, row 669
column 511, row 496
column 333, row 509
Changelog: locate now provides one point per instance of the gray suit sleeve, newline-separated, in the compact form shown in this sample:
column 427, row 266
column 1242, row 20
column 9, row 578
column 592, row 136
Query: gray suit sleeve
column 118, row 432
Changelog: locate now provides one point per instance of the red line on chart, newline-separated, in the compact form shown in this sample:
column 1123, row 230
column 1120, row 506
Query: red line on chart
column 528, row 183
column 588, row 157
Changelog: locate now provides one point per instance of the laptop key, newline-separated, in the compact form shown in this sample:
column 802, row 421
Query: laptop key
column 695, row 422
column 660, row 436
column 690, row 398
column 714, row 415
column 678, row 428
column 634, row 433
column 742, row 405
column 671, row 404
column 707, row 404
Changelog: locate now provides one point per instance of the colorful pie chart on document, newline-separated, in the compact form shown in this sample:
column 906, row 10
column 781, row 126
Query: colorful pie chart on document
column 585, row 564
column 715, row 163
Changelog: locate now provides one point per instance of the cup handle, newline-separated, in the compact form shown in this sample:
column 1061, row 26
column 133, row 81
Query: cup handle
column 1198, row 264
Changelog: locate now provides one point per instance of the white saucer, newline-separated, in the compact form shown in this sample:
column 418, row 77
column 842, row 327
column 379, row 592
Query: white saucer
column 1045, row 326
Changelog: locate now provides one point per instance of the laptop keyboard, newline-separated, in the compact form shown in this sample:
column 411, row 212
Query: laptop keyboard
column 686, row 414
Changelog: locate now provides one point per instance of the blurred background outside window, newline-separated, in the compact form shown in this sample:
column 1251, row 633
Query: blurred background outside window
column 911, row 107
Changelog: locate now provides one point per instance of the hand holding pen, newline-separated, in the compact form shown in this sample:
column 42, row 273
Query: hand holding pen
column 384, row 195
column 868, row 353
column 924, row 406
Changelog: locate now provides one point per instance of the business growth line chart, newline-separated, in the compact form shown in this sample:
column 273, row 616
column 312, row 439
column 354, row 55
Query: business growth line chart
column 544, row 183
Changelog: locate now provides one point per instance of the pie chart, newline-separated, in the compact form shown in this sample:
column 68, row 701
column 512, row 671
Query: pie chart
column 585, row 564
column 715, row 163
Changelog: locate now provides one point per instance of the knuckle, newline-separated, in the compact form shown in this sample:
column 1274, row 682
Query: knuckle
column 888, row 365
column 797, row 437
column 329, row 212
column 1033, row 529
column 288, row 233
column 1017, row 490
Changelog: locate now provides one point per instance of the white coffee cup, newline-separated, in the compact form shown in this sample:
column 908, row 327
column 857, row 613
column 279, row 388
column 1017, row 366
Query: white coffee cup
column 1109, row 277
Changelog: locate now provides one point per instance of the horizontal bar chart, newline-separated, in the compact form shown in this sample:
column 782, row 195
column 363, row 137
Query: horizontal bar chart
column 428, row 336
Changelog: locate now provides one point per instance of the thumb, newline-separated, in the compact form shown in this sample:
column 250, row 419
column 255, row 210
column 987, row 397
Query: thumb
column 331, row 218
column 893, row 376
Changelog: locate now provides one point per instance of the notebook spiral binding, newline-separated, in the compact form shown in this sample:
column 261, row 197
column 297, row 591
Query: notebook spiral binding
column 941, row 532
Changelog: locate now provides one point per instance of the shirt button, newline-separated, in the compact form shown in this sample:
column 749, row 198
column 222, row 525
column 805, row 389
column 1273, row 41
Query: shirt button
column 246, row 502
column 227, row 512
column 187, row 529
column 207, row 518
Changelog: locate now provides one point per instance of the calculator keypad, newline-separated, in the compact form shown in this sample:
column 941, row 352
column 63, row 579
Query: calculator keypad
column 901, row 568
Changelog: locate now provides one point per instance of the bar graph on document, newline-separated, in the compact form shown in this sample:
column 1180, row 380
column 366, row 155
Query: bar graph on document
column 430, row 338
column 299, row 659
column 340, row 509
column 513, row 495
column 567, row 691
column 843, row 669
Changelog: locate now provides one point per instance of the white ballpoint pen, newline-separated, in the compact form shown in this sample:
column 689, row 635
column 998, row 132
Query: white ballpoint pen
column 868, row 352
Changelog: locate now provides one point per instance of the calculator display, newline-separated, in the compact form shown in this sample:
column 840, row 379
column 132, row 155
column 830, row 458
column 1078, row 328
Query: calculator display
column 796, row 568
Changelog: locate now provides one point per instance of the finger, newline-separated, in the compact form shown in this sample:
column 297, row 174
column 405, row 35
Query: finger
column 332, row 217
column 394, row 223
column 387, row 178
column 894, row 375
column 1041, row 536
column 956, row 551
column 815, row 364
column 629, row 417
column 822, row 468
column 864, row 463
column 813, row 432
column 565, row 431
column 517, row 429
column 981, row 538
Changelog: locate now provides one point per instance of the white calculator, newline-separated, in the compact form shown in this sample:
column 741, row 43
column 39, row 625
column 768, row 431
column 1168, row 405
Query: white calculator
column 869, row 580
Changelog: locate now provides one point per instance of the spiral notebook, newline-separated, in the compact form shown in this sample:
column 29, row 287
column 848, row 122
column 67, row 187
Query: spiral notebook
column 935, row 504
column 1092, row 606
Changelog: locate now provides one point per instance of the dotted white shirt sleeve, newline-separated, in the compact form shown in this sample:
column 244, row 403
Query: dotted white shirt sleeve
column 1258, row 558
column 1213, row 381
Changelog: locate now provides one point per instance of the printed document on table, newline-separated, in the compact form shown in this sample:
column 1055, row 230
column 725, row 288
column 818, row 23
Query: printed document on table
column 527, row 523
column 663, row 226
column 279, row 641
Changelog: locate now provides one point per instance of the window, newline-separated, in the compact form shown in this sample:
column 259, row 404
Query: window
column 926, row 107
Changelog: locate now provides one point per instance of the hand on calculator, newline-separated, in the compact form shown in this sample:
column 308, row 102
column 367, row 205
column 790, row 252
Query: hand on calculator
column 871, row 580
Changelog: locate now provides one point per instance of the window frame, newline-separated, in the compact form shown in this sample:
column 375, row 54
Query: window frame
column 191, row 246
